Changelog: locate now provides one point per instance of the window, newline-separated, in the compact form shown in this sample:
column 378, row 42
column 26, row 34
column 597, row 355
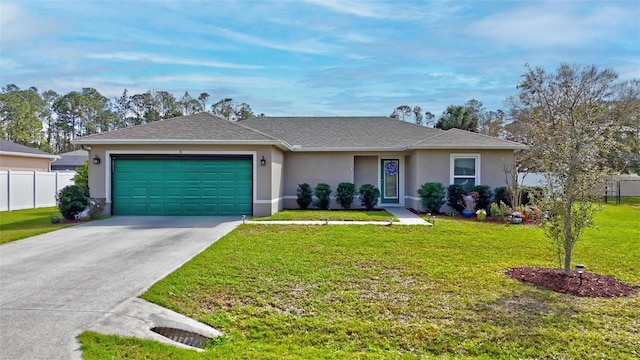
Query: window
column 465, row 170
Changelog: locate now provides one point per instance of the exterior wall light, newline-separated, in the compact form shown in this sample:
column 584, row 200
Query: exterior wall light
column 263, row 162
column 96, row 159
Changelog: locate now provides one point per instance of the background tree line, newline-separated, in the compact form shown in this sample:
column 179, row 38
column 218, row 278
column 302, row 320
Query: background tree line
column 515, row 123
column 50, row 121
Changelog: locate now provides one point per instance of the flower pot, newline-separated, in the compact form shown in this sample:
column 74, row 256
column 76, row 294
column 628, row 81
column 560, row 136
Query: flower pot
column 516, row 220
column 467, row 213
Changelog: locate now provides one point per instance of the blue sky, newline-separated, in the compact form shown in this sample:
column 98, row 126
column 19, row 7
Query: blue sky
column 313, row 57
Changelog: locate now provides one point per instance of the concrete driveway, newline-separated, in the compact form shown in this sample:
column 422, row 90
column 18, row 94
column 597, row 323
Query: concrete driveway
column 54, row 286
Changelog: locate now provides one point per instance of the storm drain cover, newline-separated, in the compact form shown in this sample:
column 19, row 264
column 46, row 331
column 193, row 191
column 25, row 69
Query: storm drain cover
column 182, row 336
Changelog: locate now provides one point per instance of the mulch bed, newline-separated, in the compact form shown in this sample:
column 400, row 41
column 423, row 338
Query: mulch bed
column 593, row 285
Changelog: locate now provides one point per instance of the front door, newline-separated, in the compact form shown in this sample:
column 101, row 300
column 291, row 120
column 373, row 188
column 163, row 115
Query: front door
column 390, row 181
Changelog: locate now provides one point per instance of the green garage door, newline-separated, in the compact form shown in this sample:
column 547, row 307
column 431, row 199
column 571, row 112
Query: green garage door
column 181, row 186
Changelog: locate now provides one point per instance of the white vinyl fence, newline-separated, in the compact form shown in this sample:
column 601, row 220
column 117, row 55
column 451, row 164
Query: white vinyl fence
column 31, row 189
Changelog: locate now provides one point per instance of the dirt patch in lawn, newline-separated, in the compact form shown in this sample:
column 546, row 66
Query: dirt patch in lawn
column 593, row 285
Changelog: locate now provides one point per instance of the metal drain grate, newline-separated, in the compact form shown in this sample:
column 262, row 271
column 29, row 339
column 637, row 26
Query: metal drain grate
column 182, row 336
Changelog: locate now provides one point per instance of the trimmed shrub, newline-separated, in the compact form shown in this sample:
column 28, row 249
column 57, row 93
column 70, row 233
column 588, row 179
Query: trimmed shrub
column 484, row 196
column 304, row 194
column 345, row 194
column 72, row 200
column 322, row 192
column 431, row 196
column 368, row 195
column 455, row 197
column 503, row 194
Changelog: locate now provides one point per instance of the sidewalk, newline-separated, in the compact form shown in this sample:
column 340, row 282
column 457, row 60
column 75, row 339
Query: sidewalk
column 405, row 217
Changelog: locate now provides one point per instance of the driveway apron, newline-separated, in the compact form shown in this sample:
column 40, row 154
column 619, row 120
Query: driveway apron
column 54, row 286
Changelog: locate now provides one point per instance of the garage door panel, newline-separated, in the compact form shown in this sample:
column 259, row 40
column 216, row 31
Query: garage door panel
column 182, row 187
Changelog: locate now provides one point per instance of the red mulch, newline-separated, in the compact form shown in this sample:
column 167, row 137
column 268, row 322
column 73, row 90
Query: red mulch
column 593, row 285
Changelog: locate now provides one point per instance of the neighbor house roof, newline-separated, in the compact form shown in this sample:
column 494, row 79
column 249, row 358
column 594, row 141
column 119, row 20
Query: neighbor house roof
column 10, row 148
column 375, row 133
column 70, row 160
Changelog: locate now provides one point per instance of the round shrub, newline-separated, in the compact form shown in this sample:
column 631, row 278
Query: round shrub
column 72, row 200
column 368, row 195
column 484, row 196
column 304, row 196
column 322, row 192
column 345, row 193
column 502, row 193
column 431, row 196
column 455, row 197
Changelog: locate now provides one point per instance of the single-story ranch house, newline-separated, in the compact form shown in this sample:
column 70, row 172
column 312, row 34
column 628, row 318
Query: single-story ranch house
column 203, row 164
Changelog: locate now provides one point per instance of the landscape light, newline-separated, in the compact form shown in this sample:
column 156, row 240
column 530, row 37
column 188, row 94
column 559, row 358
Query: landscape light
column 580, row 270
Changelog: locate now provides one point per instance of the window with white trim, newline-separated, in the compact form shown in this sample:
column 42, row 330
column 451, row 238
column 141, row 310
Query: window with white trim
column 465, row 170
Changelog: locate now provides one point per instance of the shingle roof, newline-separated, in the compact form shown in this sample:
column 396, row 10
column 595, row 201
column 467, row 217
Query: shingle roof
column 301, row 133
column 342, row 132
column 456, row 138
column 71, row 159
column 201, row 126
column 9, row 146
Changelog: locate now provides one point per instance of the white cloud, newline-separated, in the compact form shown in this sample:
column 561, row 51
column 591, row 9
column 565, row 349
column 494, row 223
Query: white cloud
column 549, row 24
column 370, row 9
column 159, row 59
column 307, row 46
column 17, row 25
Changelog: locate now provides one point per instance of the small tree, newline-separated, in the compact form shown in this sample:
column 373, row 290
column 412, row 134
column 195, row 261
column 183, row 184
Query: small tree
column 368, row 195
column 322, row 193
column 345, row 194
column 72, row 200
column 304, row 194
column 571, row 123
column 82, row 175
column 455, row 197
column 431, row 196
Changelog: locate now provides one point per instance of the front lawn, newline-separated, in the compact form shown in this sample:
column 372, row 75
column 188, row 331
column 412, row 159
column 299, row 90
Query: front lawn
column 20, row 224
column 370, row 292
column 333, row 215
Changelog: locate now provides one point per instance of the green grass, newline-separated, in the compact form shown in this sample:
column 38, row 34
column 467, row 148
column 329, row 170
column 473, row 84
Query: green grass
column 628, row 200
column 373, row 292
column 334, row 215
column 20, row 224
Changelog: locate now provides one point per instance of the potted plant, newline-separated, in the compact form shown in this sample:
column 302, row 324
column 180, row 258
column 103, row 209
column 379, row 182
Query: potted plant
column 516, row 217
column 469, row 203
column 481, row 214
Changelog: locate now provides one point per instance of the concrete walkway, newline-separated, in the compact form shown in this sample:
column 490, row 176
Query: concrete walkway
column 405, row 217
